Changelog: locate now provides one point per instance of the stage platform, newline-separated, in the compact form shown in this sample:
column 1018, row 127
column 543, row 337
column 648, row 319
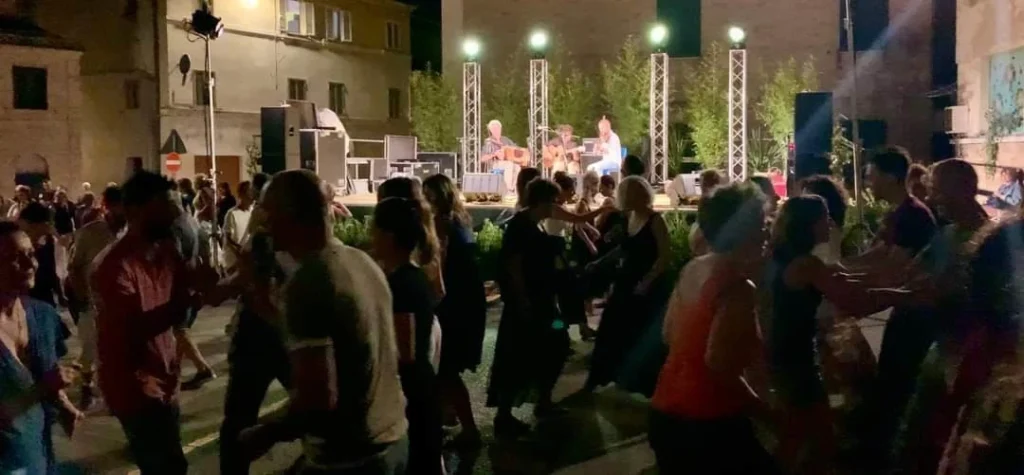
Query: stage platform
column 362, row 205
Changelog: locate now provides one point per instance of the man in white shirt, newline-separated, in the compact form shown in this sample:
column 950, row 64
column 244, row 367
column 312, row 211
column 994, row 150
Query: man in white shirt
column 236, row 225
column 609, row 147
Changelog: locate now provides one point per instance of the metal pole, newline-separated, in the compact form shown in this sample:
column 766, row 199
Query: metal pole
column 471, row 116
column 737, row 114
column 851, row 48
column 658, row 126
column 210, row 131
column 538, row 122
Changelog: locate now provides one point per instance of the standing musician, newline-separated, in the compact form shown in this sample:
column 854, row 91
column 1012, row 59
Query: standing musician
column 493, row 155
column 609, row 146
column 562, row 154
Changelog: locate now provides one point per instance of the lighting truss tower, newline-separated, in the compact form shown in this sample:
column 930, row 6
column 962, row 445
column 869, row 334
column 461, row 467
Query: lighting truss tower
column 471, row 117
column 737, row 114
column 659, row 118
column 538, row 109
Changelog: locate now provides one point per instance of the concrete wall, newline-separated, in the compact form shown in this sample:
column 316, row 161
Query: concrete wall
column 893, row 87
column 54, row 133
column 984, row 28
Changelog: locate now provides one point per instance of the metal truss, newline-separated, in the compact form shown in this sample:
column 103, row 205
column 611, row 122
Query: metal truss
column 737, row 115
column 538, row 109
column 659, row 98
column 471, row 117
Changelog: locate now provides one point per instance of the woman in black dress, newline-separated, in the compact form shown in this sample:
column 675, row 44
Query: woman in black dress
column 629, row 349
column 225, row 201
column 398, row 231
column 532, row 339
column 463, row 310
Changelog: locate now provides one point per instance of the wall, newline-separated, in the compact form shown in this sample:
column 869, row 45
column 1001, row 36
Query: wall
column 984, row 28
column 53, row 133
column 252, row 64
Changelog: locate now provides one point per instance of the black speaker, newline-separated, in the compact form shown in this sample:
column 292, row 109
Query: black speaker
column 447, row 163
column 813, row 139
column 273, row 134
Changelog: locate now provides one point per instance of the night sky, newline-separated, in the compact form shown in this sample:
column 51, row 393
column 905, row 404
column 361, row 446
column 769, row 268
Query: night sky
column 426, row 34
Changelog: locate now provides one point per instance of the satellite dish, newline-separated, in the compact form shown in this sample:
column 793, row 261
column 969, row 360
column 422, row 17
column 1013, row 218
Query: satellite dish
column 184, row 66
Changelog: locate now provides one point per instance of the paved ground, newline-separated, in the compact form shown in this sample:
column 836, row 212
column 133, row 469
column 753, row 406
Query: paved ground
column 602, row 433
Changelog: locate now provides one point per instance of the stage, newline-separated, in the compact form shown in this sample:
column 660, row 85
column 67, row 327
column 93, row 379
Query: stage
column 362, row 205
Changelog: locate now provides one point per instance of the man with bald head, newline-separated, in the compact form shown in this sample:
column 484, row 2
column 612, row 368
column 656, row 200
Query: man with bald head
column 609, row 147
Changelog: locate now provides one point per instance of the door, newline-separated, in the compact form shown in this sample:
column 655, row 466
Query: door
column 228, row 169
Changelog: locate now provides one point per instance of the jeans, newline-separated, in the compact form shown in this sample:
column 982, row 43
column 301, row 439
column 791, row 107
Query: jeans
column 392, row 461
column 257, row 357
column 154, row 439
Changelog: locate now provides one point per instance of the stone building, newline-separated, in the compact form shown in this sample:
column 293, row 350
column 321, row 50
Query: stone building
column 40, row 103
column 990, row 60
column 348, row 55
column 894, row 40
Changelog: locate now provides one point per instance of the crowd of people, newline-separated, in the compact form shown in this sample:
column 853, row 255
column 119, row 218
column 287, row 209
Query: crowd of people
column 746, row 356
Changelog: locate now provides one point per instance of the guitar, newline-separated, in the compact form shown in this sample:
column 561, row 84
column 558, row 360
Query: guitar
column 562, row 159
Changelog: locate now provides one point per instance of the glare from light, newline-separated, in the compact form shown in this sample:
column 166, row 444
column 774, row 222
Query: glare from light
column 658, row 35
column 538, row 40
column 737, row 35
column 471, row 48
column 250, row 3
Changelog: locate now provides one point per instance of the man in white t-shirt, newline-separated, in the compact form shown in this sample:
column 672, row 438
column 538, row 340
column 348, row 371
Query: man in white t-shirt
column 236, row 224
column 609, row 147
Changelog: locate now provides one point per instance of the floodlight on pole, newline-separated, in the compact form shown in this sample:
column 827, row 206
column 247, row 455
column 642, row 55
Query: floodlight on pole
column 658, row 36
column 737, row 105
column 538, row 41
column 471, row 48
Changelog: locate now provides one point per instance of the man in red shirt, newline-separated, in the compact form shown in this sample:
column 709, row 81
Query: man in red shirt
column 141, row 292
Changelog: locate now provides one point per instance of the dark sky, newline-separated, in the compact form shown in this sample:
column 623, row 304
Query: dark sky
column 426, row 34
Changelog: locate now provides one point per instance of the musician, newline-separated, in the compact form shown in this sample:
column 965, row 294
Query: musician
column 569, row 158
column 492, row 154
column 608, row 146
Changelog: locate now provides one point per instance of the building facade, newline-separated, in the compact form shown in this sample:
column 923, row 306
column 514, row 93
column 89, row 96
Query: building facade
column 893, row 40
column 351, row 56
column 990, row 60
column 40, row 104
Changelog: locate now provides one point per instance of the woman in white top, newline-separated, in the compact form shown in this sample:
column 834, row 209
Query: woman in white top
column 236, row 223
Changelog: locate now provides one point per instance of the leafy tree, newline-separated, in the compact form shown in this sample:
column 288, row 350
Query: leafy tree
column 436, row 112
column 706, row 108
column 507, row 98
column 572, row 95
column 778, row 96
column 626, row 92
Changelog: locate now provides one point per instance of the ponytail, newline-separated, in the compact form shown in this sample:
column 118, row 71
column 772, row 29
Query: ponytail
column 412, row 224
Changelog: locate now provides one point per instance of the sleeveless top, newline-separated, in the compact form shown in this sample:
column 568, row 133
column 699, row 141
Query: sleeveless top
column 640, row 251
column 793, row 323
column 686, row 386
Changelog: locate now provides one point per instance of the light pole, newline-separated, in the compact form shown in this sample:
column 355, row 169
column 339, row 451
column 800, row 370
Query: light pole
column 471, row 106
column 851, row 48
column 209, row 28
column 659, row 98
column 737, row 104
column 538, row 96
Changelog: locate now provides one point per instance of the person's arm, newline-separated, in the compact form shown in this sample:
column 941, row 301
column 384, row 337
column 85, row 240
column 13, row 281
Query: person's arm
column 563, row 214
column 608, row 203
column 698, row 244
column 733, row 341
column 47, row 388
column 664, row 252
column 851, row 297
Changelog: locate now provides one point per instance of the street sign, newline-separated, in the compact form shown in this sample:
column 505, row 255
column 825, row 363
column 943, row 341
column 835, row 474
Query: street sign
column 172, row 162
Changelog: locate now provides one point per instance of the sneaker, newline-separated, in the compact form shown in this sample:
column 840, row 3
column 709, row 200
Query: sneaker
column 198, row 380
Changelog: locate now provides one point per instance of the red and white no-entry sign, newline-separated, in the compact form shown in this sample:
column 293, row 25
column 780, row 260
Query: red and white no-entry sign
column 172, row 162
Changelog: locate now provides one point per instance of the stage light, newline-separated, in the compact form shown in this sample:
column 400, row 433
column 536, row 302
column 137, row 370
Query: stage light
column 538, row 40
column 205, row 24
column 658, row 35
column 471, row 48
column 737, row 37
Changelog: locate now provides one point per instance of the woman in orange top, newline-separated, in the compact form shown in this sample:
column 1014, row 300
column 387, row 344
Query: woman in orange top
column 700, row 421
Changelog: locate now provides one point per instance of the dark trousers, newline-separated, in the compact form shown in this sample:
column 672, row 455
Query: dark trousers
column 906, row 341
column 154, row 439
column 257, row 357
column 725, row 446
column 392, row 461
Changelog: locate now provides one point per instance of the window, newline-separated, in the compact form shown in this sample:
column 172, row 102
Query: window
column 394, row 104
column 297, row 89
column 201, row 81
column 337, row 97
column 297, row 18
column 870, row 24
column 339, row 25
column 394, row 39
column 131, row 94
column 30, row 88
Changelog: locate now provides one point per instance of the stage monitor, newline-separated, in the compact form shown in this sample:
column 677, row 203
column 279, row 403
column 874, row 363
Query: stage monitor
column 589, row 145
column 400, row 148
column 447, row 163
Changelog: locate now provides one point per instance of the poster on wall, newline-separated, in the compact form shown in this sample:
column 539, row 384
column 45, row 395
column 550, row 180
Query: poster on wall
column 1006, row 84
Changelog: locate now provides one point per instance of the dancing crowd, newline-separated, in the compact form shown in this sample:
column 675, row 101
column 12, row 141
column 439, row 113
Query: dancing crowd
column 752, row 357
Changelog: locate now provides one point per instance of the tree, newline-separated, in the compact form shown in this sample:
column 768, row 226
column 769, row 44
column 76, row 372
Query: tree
column 507, row 98
column 778, row 98
column 572, row 96
column 626, row 92
column 436, row 112
column 706, row 109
